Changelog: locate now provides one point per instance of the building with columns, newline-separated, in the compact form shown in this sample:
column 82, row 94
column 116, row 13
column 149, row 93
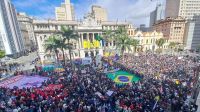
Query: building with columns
column 87, row 29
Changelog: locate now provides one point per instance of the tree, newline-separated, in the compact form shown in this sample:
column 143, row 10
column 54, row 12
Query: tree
column 2, row 54
column 135, row 43
column 64, row 46
column 52, row 45
column 160, row 42
column 69, row 35
column 172, row 45
column 123, row 42
column 108, row 36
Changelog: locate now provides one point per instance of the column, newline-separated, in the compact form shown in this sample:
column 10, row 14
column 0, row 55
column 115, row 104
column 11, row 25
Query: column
column 81, row 41
column 93, row 38
column 101, row 42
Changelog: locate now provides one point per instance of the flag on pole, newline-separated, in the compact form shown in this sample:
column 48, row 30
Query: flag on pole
column 99, row 38
column 157, row 98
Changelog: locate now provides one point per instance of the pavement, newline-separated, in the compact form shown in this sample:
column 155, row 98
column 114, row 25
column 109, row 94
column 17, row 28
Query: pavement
column 25, row 60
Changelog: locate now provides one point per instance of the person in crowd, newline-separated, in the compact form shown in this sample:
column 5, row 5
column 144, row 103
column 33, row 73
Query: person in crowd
column 165, row 85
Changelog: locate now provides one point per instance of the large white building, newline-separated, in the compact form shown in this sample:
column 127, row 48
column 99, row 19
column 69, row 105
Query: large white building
column 10, row 35
column 87, row 29
column 65, row 12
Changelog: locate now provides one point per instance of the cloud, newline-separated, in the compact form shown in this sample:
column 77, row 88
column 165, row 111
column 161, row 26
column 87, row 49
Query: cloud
column 135, row 11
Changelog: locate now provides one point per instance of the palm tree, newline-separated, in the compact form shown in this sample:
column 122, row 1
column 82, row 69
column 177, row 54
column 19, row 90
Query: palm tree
column 135, row 43
column 52, row 45
column 108, row 36
column 173, row 45
column 2, row 54
column 64, row 46
column 160, row 42
column 68, row 35
column 123, row 42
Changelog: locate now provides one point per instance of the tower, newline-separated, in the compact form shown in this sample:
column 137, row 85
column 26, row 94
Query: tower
column 65, row 12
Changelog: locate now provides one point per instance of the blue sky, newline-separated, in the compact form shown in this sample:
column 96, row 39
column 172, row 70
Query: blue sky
column 135, row 11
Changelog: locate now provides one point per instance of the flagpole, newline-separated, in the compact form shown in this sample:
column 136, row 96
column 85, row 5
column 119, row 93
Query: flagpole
column 155, row 104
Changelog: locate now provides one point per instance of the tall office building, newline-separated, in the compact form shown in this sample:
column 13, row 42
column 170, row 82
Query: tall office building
column 99, row 13
column 156, row 15
column 184, row 8
column 172, row 29
column 192, row 33
column 10, row 35
column 65, row 12
column 190, row 10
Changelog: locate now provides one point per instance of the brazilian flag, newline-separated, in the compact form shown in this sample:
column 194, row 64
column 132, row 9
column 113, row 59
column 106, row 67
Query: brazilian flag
column 123, row 77
column 99, row 38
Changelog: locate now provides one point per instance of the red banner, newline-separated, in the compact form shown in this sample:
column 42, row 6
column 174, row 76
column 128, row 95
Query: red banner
column 53, row 87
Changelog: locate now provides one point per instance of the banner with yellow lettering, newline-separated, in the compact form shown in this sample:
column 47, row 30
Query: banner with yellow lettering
column 88, row 44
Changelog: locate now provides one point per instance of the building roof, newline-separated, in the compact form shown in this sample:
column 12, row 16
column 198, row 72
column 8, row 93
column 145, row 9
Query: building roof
column 54, row 22
column 114, row 23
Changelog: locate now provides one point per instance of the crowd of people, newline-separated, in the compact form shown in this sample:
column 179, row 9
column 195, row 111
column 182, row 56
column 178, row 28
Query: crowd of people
column 87, row 90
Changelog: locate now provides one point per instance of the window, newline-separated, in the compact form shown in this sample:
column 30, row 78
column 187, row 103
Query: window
column 86, row 54
column 114, row 43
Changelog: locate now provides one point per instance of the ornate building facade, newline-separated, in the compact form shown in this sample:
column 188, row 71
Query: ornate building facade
column 87, row 30
column 147, row 40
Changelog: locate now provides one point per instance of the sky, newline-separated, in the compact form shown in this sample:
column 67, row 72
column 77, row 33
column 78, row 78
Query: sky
column 134, row 11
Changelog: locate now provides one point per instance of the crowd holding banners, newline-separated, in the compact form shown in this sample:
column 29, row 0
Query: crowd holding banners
column 92, row 91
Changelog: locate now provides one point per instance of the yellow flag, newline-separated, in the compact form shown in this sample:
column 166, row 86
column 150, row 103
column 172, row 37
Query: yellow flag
column 157, row 98
column 85, row 44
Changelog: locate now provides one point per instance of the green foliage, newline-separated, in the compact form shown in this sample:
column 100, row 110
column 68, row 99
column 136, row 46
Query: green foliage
column 2, row 54
column 108, row 35
column 52, row 45
column 68, row 35
column 123, row 42
column 135, row 43
column 173, row 45
column 160, row 42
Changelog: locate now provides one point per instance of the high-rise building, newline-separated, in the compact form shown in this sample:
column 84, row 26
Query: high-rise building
column 99, row 13
column 144, row 28
column 192, row 33
column 26, row 25
column 65, row 12
column 156, row 15
column 190, row 10
column 172, row 29
column 10, row 34
column 183, row 8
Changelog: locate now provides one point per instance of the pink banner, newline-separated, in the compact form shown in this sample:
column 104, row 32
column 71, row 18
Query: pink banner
column 22, row 81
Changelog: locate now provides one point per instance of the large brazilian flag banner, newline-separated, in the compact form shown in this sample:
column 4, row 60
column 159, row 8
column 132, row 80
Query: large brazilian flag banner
column 123, row 77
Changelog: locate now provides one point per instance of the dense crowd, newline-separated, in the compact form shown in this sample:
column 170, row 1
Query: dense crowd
column 88, row 91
